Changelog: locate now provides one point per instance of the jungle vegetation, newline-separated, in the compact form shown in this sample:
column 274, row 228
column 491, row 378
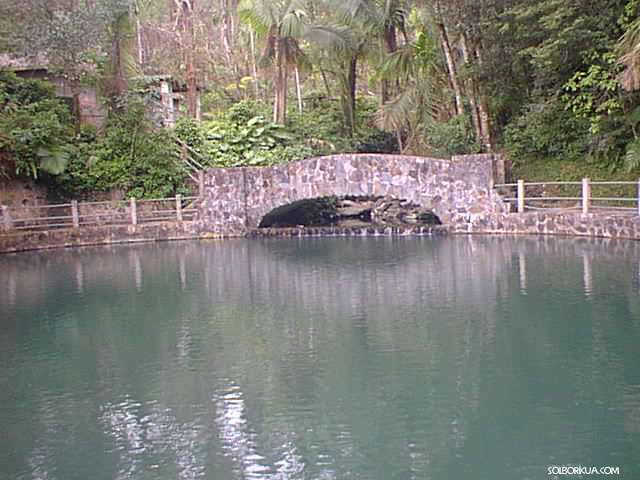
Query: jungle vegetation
column 552, row 84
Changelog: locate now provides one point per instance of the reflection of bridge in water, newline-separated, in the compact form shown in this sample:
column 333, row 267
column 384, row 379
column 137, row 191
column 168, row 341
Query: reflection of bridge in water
column 230, row 300
column 233, row 262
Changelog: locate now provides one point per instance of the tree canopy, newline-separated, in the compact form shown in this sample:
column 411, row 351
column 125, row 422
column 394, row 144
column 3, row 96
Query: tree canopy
column 537, row 79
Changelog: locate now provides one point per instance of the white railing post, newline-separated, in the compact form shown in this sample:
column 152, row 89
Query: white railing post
column 520, row 196
column 75, row 214
column 6, row 218
column 179, row 208
column 639, row 197
column 134, row 211
column 586, row 195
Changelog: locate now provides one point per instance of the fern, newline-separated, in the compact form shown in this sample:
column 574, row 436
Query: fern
column 632, row 156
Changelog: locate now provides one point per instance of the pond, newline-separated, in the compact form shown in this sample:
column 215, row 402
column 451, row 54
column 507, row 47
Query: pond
column 321, row 358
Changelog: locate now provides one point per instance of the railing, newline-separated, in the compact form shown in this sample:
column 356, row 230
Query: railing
column 193, row 162
column 81, row 214
column 586, row 196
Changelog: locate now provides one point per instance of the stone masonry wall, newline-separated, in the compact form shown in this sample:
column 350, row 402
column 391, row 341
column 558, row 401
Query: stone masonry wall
column 554, row 223
column 22, row 241
column 459, row 190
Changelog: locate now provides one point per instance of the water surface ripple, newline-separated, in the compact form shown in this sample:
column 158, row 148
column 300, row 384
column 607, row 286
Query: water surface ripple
column 319, row 359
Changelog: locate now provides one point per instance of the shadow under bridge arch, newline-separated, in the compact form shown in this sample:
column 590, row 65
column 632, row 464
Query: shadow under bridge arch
column 349, row 211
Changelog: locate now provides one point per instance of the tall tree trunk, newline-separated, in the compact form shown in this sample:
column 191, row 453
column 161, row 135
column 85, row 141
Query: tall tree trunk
column 485, row 122
column 348, row 97
column 189, row 33
column 451, row 67
column 472, row 91
column 117, row 59
column 483, row 111
column 76, row 110
column 254, row 66
column 325, row 82
column 298, row 89
column 353, row 70
column 139, row 44
column 390, row 45
column 226, row 35
column 280, row 100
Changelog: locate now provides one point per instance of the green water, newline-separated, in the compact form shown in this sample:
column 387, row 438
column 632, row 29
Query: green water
column 339, row 358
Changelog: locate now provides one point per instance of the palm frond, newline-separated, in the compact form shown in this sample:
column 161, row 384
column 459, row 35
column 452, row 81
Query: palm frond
column 330, row 38
column 628, row 49
column 395, row 114
column 293, row 24
column 261, row 15
column 399, row 64
column 632, row 156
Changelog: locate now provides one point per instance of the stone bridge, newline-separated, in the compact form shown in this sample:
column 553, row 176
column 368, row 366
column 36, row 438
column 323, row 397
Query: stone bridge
column 459, row 191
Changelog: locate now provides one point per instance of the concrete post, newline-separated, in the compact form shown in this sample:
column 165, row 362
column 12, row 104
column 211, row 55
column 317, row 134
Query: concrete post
column 639, row 197
column 499, row 169
column 75, row 214
column 520, row 196
column 201, row 183
column 6, row 218
column 586, row 195
column 179, row 208
column 134, row 211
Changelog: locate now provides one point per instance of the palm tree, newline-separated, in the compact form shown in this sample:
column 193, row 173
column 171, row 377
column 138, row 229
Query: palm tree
column 282, row 24
column 285, row 24
column 418, row 66
column 339, row 56
column 383, row 19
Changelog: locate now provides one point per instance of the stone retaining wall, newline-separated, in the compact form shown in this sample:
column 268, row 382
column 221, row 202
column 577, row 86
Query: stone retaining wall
column 543, row 224
column 553, row 223
column 98, row 235
column 559, row 224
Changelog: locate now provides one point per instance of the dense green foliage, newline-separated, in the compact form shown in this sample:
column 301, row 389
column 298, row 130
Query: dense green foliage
column 37, row 140
column 452, row 137
column 129, row 156
column 540, row 80
column 242, row 135
column 35, row 128
column 572, row 106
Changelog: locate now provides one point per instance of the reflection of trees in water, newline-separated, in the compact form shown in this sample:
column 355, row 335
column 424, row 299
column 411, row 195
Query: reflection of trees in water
column 258, row 363
column 146, row 436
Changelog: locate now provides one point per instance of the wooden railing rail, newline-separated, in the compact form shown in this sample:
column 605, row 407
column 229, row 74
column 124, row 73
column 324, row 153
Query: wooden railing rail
column 613, row 196
column 83, row 214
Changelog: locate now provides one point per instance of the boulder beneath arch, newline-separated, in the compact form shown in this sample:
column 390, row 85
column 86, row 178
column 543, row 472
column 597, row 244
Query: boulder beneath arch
column 393, row 212
column 350, row 211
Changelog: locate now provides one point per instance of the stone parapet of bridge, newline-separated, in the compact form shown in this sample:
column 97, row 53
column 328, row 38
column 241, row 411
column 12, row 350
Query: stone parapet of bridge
column 459, row 190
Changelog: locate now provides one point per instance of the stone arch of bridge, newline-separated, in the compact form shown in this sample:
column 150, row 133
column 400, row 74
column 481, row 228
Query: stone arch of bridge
column 236, row 200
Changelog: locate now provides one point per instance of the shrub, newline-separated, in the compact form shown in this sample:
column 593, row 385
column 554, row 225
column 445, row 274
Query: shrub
column 36, row 130
column 129, row 155
column 547, row 130
column 244, row 135
column 453, row 137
